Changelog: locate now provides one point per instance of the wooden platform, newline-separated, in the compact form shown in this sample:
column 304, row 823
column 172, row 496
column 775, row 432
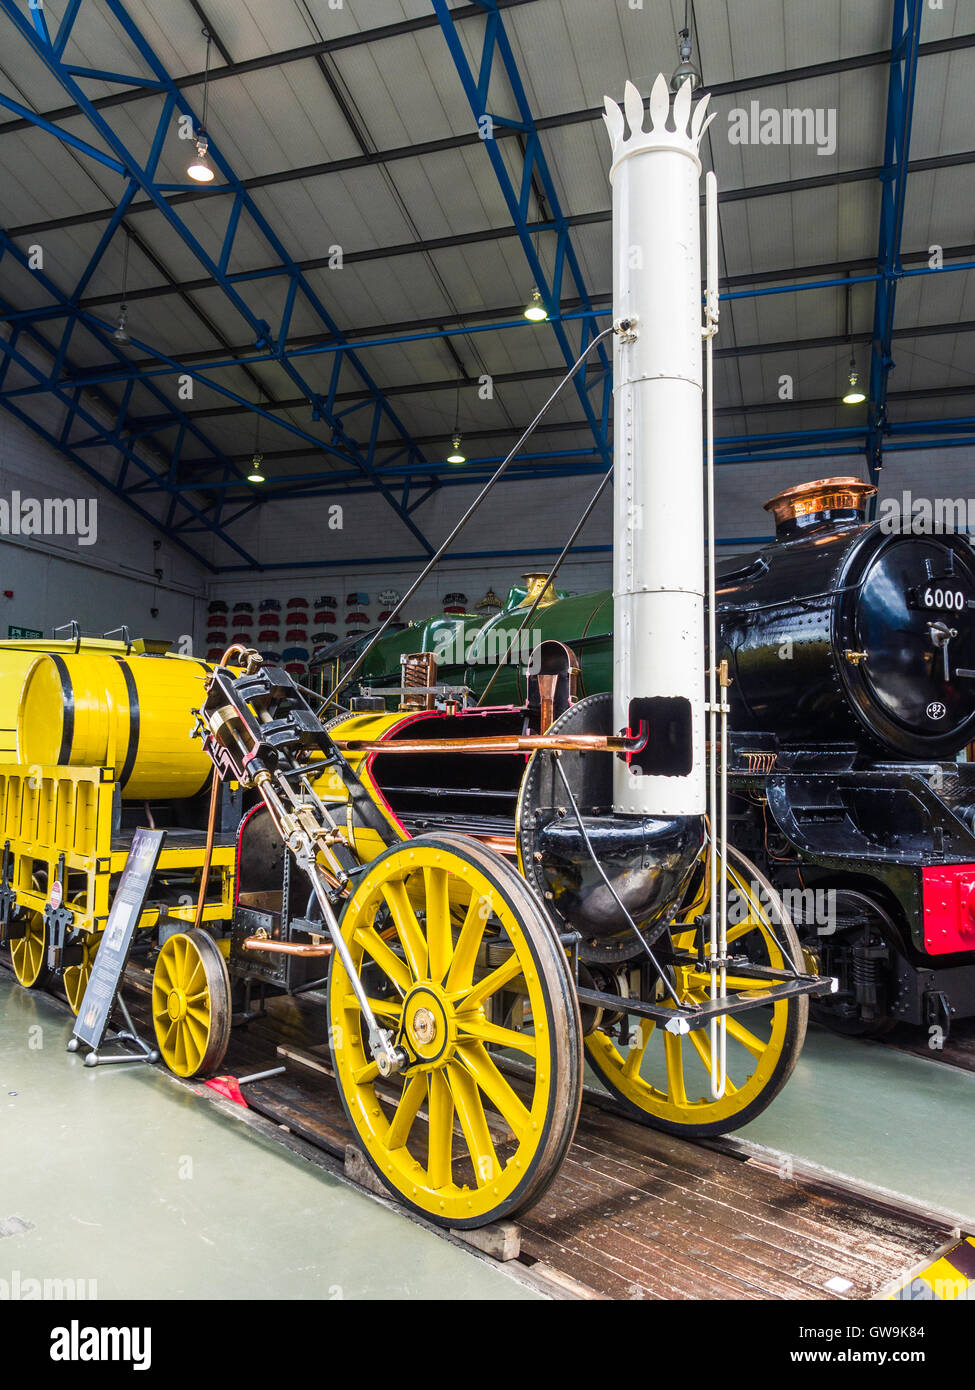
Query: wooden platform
column 633, row 1214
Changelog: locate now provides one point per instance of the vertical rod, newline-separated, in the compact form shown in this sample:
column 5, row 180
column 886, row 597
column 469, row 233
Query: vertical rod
column 717, row 832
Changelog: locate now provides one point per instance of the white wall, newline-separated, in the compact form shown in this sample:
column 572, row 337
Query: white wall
column 520, row 516
column 111, row 582
column 55, row 579
column 530, row 517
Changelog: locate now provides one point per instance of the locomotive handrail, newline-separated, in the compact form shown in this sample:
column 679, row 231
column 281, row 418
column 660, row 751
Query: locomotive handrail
column 126, row 637
column 797, row 602
column 503, row 743
column 74, row 628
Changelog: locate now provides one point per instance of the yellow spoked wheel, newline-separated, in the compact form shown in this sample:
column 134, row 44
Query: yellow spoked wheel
column 191, row 1003
column 28, row 953
column 75, row 977
column 460, row 962
column 663, row 1078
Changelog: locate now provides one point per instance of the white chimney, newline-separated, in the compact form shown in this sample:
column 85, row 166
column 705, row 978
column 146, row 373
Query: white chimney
column 658, row 550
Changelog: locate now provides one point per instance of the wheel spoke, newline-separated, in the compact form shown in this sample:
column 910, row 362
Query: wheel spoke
column 701, row 983
column 468, row 944
column 414, row 1094
column 439, row 942
column 702, row 1047
column 197, row 978
column 387, row 960
column 382, row 1008
column 675, row 1068
column 164, row 971
column 509, row 1105
column 503, row 975
column 407, row 927
column 741, row 929
column 440, row 1125
column 635, row 1056
column 481, row 1029
column 474, row 1124
column 748, row 1039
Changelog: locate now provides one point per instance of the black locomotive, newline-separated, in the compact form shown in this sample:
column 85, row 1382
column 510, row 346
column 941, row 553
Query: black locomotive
column 851, row 652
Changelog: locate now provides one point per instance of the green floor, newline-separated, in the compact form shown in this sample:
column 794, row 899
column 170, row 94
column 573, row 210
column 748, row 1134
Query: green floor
column 147, row 1189
column 879, row 1115
column 133, row 1182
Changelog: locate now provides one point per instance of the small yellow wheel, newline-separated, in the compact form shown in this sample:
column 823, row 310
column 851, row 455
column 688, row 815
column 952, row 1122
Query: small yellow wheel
column 662, row 1078
column 75, row 977
column 191, row 1003
column 28, row 953
column 460, row 962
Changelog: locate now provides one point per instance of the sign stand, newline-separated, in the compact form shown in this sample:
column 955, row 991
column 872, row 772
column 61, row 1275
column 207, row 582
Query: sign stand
column 102, row 993
column 145, row 1053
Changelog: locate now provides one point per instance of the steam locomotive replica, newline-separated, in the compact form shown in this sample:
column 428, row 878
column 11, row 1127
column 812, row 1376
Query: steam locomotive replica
column 93, row 743
column 851, row 654
column 487, row 895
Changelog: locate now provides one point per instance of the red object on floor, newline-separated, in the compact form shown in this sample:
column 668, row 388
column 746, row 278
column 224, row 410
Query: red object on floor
column 227, row 1086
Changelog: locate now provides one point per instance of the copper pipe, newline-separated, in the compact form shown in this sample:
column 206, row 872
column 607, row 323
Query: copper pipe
column 504, row 844
column 515, row 743
column 212, row 817
column 546, row 695
column 211, row 827
column 286, row 948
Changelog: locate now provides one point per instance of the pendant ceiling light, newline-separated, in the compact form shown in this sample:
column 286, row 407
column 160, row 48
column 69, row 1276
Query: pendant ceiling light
column 456, row 454
column 535, row 310
column 121, row 334
column 256, row 474
column 199, row 168
column 686, row 69
column 853, row 394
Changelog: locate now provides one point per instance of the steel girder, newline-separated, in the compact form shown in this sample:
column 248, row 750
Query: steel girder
column 902, row 81
column 496, row 55
column 114, row 431
column 141, row 176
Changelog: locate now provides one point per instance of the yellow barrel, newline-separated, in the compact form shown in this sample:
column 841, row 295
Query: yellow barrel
column 14, row 664
column 131, row 713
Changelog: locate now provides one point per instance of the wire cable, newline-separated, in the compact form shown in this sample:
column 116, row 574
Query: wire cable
column 496, row 476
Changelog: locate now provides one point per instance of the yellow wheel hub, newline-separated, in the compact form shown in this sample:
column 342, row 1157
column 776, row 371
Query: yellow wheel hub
column 666, row 1077
column 459, row 964
column 430, row 1025
column 191, row 1003
column 29, row 952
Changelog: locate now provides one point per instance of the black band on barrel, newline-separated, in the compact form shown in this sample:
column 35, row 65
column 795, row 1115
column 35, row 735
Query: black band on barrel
column 132, row 751
column 67, row 706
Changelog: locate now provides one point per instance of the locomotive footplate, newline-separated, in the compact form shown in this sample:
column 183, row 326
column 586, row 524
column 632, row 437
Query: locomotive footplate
column 682, row 1019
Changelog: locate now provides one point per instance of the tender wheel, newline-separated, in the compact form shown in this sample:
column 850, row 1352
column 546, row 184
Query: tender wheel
column 191, row 1003
column 75, row 977
column 462, row 965
column 664, row 1079
column 28, row 953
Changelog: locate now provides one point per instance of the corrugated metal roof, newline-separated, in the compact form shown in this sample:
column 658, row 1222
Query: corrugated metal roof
column 361, row 106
